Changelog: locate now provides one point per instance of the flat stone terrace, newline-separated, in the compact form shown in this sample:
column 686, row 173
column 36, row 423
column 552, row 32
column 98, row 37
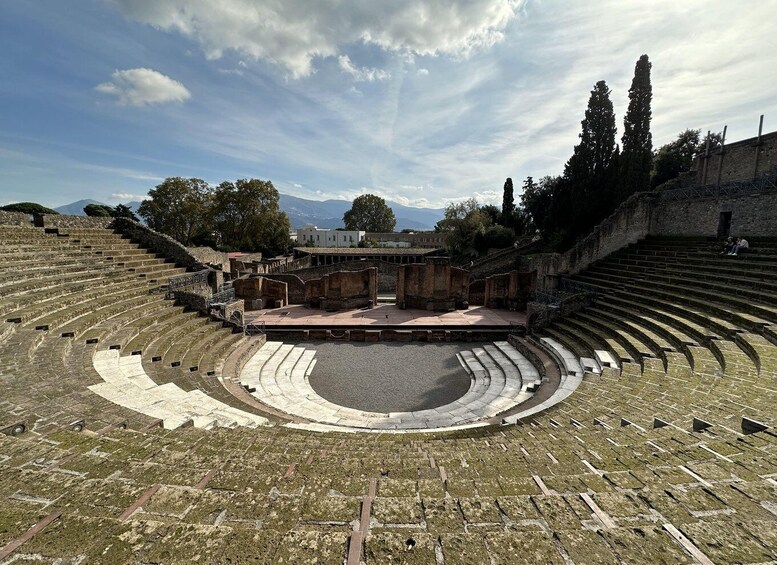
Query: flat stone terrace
column 299, row 316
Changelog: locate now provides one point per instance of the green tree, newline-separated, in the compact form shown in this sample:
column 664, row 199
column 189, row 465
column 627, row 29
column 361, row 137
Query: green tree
column 493, row 213
column 370, row 213
column 180, row 208
column 28, row 208
column 461, row 222
column 594, row 154
column 637, row 143
column 123, row 211
column 246, row 217
column 675, row 157
column 508, row 202
column 98, row 210
column 587, row 194
column 493, row 237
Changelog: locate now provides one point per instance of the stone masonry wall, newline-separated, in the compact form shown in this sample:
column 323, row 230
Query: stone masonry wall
column 63, row 221
column 751, row 215
column 296, row 286
column 739, row 160
column 210, row 256
column 159, row 243
column 387, row 272
column 343, row 290
column 14, row 218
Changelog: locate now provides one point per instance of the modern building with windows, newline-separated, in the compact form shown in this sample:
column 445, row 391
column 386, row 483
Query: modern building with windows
column 311, row 235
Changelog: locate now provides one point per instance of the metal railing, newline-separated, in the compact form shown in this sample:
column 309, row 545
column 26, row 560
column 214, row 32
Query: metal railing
column 730, row 188
column 547, row 305
column 254, row 328
column 187, row 280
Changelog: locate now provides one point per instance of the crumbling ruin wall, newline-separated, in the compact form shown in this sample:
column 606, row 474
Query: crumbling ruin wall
column 295, row 286
column 433, row 285
column 14, row 219
column 509, row 291
column 387, row 272
column 210, row 256
column 261, row 292
column 343, row 290
column 477, row 292
column 62, row 221
column 741, row 160
column 159, row 243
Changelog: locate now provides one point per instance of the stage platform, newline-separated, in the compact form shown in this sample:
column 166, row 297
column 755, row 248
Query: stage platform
column 386, row 316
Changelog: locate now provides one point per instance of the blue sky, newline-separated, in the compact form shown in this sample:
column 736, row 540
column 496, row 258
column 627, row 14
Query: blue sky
column 420, row 101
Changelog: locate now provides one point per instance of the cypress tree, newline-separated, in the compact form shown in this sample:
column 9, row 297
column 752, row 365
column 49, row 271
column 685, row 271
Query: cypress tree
column 637, row 147
column 587, row 176
column 508, row 202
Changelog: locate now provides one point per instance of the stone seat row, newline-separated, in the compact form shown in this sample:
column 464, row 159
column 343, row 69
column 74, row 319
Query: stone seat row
column 501, row 378
column 127, row 384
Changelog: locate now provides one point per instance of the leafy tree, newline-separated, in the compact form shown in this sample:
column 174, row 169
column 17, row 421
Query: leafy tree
column 544, row 204
column 246, row 217
column 461, row 222
column 98, row 210
column 493, row 213
column 493, row 237
column 122, row 211
column 637, row 141
column 28, row 208
column 675, row 157
column 508, row 202
column 370, row 213
column 180, row 208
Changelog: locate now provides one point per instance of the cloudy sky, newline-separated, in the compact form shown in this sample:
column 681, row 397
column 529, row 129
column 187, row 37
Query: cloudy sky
column 420, row 101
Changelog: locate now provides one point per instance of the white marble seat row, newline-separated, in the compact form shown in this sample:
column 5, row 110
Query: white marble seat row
column 127, row 384
column 571, row 377
column 277, row 375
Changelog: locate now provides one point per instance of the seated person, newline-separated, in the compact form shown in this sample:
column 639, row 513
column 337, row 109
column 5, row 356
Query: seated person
column 728, row 246
column 741, row 246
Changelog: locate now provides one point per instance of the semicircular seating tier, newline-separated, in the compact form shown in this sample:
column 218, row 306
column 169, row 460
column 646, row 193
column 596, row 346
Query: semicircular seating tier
column 500, row 379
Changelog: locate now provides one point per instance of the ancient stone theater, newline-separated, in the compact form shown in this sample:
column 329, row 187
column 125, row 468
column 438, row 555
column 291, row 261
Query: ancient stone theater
column 611, row 404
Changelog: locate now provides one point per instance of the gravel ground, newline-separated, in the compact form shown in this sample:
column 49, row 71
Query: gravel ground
column 388, row 377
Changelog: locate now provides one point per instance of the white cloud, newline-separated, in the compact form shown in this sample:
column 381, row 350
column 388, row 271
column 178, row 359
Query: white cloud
column 291, row 33
column 143, row 87
column 127, row 197
column 422, row 72
column 361, row 74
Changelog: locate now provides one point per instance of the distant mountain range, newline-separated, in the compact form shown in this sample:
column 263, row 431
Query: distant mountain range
column 302, row 212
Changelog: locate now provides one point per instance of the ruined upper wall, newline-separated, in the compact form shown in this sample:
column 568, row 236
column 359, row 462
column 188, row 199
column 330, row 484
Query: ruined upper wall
column 433, row 285
column 741, row 160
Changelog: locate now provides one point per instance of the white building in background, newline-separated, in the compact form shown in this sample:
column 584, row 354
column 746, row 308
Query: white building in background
column 311, row 235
